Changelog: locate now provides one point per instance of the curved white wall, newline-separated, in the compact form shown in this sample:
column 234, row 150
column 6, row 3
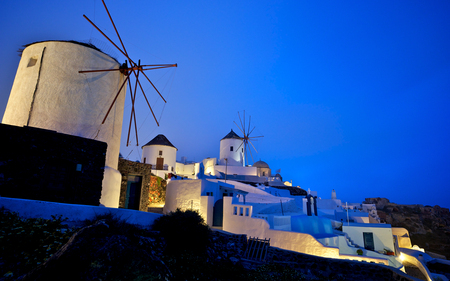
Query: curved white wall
column 235, row 157
column 151, row 152
column 52, row 95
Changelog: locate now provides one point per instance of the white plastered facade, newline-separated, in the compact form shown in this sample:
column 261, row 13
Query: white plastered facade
column 233, row 151
column 150, row 153
column 49, row 93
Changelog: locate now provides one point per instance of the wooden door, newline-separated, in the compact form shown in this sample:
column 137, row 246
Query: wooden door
column 159, row 163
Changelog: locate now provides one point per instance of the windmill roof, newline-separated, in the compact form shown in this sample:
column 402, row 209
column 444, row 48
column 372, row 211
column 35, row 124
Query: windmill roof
column 160, row 140
column 231, row 135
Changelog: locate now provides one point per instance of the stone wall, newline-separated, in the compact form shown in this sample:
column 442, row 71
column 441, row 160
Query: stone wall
column 45, row 165
column 153, row 188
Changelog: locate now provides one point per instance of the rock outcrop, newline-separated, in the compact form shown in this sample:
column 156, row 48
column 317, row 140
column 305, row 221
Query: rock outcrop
column 429, row 227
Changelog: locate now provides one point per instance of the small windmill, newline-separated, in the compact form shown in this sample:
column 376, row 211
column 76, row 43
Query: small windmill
column 136, row 69
column 247, row 139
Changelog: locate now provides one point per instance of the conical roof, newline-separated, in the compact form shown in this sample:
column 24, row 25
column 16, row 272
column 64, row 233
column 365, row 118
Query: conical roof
column 160, row 140
column 232, row 135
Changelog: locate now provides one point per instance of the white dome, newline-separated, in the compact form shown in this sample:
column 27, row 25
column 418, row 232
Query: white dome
column 261, row 164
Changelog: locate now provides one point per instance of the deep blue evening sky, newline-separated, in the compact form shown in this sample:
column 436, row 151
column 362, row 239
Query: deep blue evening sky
column 350, row 95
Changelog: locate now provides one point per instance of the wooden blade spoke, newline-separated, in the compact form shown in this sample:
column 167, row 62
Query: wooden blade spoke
column 253, row 146
column 251, row 131
column 154, row 87
column 131, row 61
column 244, row 126
column 99, row 70
column 240, row 145
column 249, row 122
column 156, row 65
column 132, row 113
column 239, row 115
column 117, row 32
column 143, row 69
column 251, row 155
column 115, row 98
column 157, row 123
column 239, row 128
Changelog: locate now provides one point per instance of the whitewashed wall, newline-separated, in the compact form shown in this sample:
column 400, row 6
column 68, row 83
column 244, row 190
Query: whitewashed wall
column 382, row 234
column 238, row 170
column 404, row 241
column 52, row 95
column 255, row 227
column 151, row 153
column 187, row 194
column 235, row 157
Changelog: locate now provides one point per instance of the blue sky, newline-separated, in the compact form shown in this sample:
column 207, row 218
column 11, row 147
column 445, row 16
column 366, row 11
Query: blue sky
column 349, row 95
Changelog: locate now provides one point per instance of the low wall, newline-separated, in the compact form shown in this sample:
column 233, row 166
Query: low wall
column 74, row 213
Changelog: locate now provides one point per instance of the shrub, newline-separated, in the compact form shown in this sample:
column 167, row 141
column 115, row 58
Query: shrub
column 183, row 231
column 26, row 243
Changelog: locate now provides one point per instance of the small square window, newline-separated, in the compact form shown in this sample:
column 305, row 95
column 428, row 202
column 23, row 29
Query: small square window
column 32, row 62
column 160, row 153
column 231, row 148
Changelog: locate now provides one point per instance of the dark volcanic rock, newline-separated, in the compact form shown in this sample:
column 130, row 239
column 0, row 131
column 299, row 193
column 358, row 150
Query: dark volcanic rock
column 429, row 227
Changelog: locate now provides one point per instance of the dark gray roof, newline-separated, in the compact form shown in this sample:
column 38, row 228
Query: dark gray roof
column 160, row 140
column 232, row 135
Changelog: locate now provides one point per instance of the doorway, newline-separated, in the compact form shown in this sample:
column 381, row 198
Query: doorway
column 159, row 163
column 218, row 213
column 134, row 186
column 368, row 241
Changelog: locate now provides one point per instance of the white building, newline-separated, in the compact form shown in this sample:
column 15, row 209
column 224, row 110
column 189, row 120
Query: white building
column 161, row 154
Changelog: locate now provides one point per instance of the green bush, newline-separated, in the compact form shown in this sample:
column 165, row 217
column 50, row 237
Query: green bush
column 183, row 231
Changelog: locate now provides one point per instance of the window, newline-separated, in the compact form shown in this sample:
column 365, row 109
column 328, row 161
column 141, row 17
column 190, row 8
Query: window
column 32, row 62
column 241, row 211
column 247, row 211
column 145, row 160
column 231, row 148
column 264, row 174
column 235, row 211
column 160, row 153
column 242, row 150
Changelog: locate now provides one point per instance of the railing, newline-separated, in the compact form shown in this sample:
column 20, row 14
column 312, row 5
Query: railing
column 257, row 249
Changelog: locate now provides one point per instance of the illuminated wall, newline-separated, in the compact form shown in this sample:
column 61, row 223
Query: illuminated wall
column 49, row 93
column 382, row 234
column 233, row 150
column 151, row 153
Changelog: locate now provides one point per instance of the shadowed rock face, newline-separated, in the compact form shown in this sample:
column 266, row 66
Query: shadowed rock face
column 93, row 253
column 429, row 227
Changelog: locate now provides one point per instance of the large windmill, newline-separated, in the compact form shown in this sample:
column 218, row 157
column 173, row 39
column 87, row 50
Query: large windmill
column 247, row 139
column 134, row 69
